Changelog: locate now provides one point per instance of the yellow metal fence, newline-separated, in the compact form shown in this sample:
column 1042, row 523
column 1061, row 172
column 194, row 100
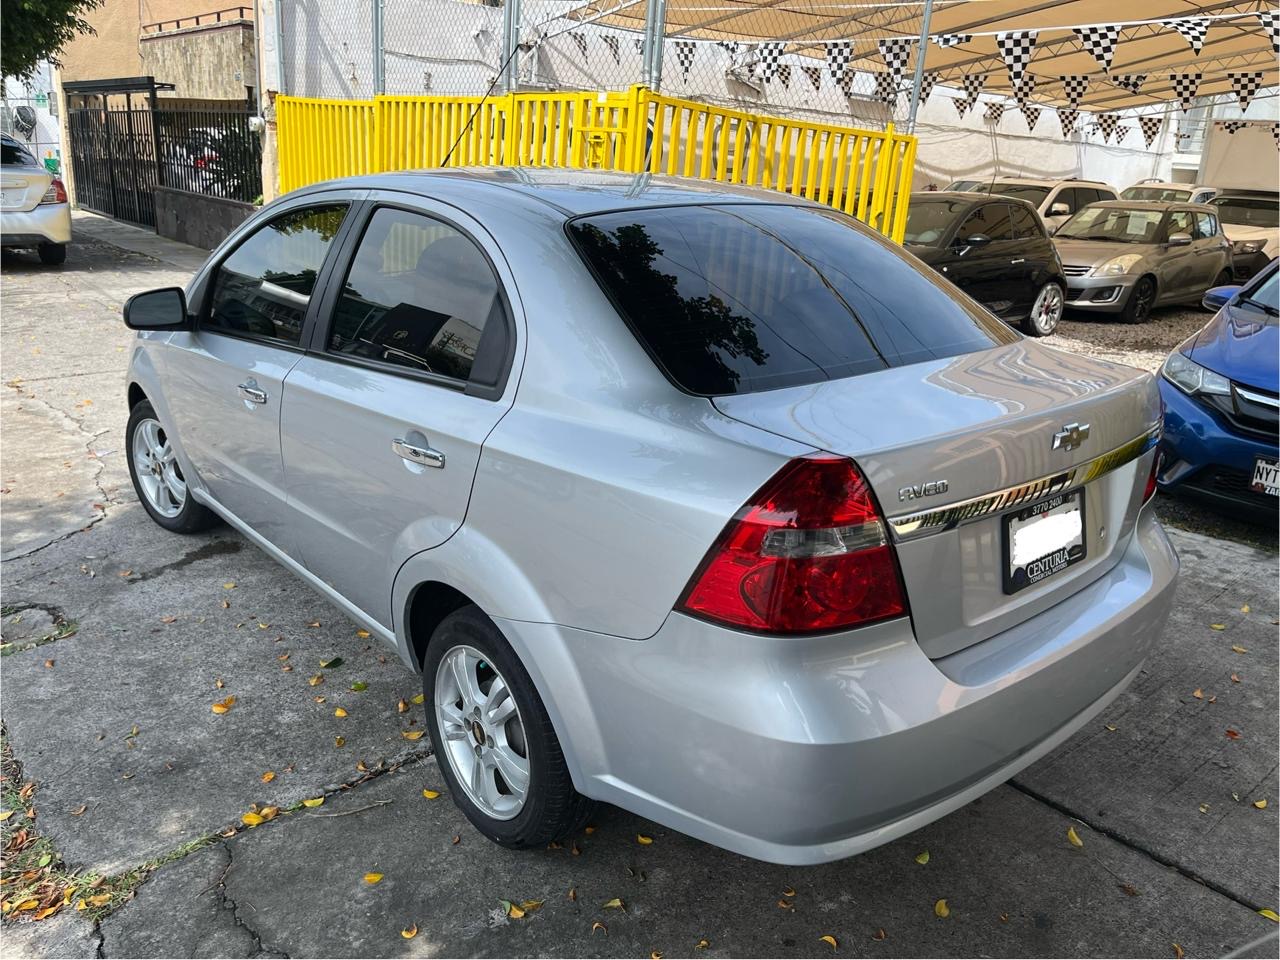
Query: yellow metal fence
column 866, row 173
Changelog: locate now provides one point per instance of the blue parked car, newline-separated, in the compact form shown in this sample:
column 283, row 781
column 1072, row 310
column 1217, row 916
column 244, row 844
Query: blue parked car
column 1219, row 391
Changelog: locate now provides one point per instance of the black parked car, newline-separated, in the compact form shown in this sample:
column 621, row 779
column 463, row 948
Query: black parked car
column 995, row 249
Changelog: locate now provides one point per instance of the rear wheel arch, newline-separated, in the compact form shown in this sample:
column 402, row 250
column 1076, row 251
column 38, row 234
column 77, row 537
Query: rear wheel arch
column 428, row 604
column 136, row 395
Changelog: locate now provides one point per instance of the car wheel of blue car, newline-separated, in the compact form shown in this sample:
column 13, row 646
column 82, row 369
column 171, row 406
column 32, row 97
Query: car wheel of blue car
column 493, row 739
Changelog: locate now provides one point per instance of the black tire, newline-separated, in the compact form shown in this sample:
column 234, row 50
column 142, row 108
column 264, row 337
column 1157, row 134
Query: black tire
column 552, row 809
column 1044, row 318
column 1141, row 300
column 193, row 517
column 52, row 254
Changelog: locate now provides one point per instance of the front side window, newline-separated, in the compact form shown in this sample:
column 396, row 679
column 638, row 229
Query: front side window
column 263, row 289
column 991, row 220
column 419, row 295
column 749, row 297
column 929, row 220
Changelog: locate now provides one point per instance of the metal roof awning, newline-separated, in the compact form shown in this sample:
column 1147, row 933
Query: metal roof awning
column 114, row 85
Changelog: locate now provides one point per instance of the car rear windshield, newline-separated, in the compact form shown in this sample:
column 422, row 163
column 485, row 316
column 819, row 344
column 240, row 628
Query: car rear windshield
column 743, row 298
column 1033, row 195
column 11, row 155
column 1162, row 194
column 1248, row 212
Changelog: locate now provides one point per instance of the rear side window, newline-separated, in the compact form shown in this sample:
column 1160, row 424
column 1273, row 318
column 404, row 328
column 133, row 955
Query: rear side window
column 420, row 295
column 1179, row 222
column 263, row 289
column 1026, row 225
column 990, row 219
column 744, row 298
column 1206, row 225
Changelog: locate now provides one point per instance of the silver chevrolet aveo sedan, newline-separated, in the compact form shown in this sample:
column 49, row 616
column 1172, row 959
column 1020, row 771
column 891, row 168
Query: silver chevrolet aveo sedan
column 707, row 502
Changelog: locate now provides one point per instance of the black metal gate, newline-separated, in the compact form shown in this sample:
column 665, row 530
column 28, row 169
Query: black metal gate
column 125, row 142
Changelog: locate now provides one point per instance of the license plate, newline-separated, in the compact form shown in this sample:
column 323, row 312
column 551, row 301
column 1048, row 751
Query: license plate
column 1043, row 539
column 13, row 197
column 1266, row 477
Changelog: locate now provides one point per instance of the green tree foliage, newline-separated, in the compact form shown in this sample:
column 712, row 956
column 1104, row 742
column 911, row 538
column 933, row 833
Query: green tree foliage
column 36, row 30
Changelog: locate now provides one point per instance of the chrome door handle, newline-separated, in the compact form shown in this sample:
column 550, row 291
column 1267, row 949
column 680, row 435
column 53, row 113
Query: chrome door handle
column 1019, row 260
column 250, row 391
column 426, row 456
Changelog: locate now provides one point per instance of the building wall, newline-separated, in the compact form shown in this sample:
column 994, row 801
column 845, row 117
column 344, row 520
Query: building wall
column 208, row 62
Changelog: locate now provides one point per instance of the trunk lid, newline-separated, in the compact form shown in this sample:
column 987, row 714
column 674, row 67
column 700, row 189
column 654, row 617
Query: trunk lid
column 982, row 423
column 22, row 187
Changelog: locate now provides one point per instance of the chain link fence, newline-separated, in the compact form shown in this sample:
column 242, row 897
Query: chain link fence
column 762, row 58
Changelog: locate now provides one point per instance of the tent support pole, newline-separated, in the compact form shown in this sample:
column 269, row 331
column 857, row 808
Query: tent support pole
column 655, row 23
column 918, row 75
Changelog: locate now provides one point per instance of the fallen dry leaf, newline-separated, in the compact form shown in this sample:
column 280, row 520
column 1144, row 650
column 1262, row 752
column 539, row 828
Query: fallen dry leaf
column 702, row 944
column 1270, row 915
column 1236, row 648
column 229, row 585
column 339, row 741
column 419, row 698
column 601, row 927
column 940, row 909
column 830, row 941
column 1178, row 952
column 615, row 904
column 331, row 663
column 48, row 664
column 268, row 776
column 1235, row 678
column 1217, row 626
column 362, row 633
column 269, row 813
column 1204, row 808
column 1074, row 837
column 402, row 707
column 252, row 819
column 222, row 706
column 169, row 619
column 1198, row 693
column 411, row 734
column 880, row 935
column 430, row 794
column 1212, row 699
column 1004, row 918
column 313, row 624
column 79, row 810
column 409, row 932
column 457, row 839
column 372, row 878
column 217, row 682
column 643, row 840
column 316, row 680
column 5, row 815
column 339, row 712
column 362, row 766
column 588, row 830
column 1245, row 608
column 313, row 802
column 785, row 905
column 922, row 858
column 1260, row 804
column 655, row 955
column 1111, row 727
column 573, row 894
column 1233, row 734
column 226, row 604
column 1129, row 889
column 789, row 892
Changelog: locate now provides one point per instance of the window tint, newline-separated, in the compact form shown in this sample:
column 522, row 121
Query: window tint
column 1068, row 196
column 263, row 288
column 743, row 298
column 12, row 154
column 420, row 295
column 1021, row 191
column 1206, row 226
column 929, row 220
column 1026, row 225
column 991, row 219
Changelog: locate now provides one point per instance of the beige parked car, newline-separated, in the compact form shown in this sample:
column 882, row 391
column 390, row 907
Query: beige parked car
column 1054, row 200
column 34, row 211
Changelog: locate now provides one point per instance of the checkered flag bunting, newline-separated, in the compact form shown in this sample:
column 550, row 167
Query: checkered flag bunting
column 846, row 82
column 784, row 74
column 1122, row 132
column 1031, row 114
column 1023, row 89
column 927, row 81
column 973, row 85
column 1231, row 126
column 962, row 106
column 614, row 46
column 1099, row 41
column 1150, row 128
column 580, row 41
column 1193, row 30
column 769, row 54
column 896, row 51
column 1107, row 125
column 951, row 39
column 995, row 110
column 1271, row 23
column 686, row 50
column 1245, row 85
column 639, row 44
column 839, row 55
column 1185, row 86
column 1067, row 119
column 1016, row 48
column 1130, row 81
column 1275, row 134
column 1074, row 87
column 815, row 76
column 886, row 89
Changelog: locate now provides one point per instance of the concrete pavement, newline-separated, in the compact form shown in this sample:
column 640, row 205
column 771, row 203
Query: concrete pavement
column 136, row 629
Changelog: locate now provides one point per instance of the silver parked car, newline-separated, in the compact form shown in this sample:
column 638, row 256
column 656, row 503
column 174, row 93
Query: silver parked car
column 1125, row 256
column 703, row 501
column 34, row 211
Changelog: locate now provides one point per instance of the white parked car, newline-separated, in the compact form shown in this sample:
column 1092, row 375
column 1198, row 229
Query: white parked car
column 34, row 211
column 1169, row 192
column 1055, row 200
column 1251, row 222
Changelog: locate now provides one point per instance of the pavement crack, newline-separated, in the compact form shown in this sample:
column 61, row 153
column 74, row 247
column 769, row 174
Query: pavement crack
column 1139, row 847
column 229, row 902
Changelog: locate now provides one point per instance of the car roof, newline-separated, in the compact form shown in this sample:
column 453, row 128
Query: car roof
column 967, row 196
column 1033, row 182
column 1168, row 184
column 1160, row 205
column 571, row 192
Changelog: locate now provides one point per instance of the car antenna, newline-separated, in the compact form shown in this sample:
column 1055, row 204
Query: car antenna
column 502, row 69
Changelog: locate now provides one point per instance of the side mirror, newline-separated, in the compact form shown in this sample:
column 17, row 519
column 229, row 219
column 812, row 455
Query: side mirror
column 975, row 242
column 1059, row 209
column 163, row 309
column 1215, row 298
column 1179, row 239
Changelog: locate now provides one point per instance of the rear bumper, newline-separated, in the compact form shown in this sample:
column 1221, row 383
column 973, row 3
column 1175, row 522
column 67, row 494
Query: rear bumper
column 1100, row 294
column 1206, row 459
column 47, row 223
column 802, row 751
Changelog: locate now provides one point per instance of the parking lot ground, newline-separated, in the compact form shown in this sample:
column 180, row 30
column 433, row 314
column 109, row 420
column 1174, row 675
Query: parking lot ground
column 119, row 638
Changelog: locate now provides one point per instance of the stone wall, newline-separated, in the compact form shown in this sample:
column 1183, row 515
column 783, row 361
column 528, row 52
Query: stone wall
column 215, row 61
column 197, row 219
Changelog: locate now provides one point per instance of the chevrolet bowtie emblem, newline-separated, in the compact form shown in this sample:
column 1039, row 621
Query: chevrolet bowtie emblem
column 1071, row 436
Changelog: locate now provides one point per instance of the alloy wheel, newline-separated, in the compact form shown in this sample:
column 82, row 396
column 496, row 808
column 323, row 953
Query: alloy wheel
column 159, row 477
column 1047, row 310
column 483, row 733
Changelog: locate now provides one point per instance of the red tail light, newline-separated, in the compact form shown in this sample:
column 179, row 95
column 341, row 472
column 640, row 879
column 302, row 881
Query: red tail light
column 1150, row 491
column 808, row 553
column 56, row 193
